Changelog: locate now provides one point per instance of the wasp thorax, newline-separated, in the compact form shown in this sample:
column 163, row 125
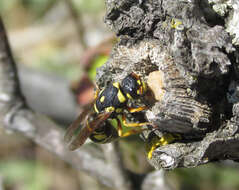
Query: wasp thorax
column 110, row 99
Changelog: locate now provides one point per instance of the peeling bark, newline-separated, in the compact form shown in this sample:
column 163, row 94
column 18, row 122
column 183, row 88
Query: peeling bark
column 16, row 116
column 188, row 43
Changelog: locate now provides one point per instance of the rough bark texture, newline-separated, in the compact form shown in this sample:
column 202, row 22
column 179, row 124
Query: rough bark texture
column 16, row 116
column 189, row 44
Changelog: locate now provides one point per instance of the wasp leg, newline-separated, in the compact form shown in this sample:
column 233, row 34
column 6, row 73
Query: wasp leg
column 132, row 132
column 132, row 110
column 119, row 127
column 128, row 133
column 164, row 140
column 133, row 124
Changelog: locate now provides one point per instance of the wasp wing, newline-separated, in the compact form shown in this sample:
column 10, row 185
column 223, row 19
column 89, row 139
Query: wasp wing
column 75, row 125
column 88, row 129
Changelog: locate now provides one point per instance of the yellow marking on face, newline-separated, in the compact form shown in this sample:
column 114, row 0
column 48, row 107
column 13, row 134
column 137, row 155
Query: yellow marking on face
column 128, row 95
column 119, row 110
column 139, row 82
column 138, row 91
column 96, row 110
column 102, row 99
column 110, row 109
column 144, row 87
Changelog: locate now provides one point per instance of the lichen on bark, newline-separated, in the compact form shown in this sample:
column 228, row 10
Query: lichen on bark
column 229, row 11
column 189, row 45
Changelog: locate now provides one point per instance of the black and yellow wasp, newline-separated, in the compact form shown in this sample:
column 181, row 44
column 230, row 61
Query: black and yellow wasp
column 109, row 103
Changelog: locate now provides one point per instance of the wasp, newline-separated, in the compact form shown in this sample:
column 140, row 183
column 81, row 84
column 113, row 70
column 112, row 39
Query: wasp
column 154, row 141
column 109, row 103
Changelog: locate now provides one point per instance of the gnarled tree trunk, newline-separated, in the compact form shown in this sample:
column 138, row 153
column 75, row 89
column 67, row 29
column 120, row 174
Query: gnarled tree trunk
column 187, row 51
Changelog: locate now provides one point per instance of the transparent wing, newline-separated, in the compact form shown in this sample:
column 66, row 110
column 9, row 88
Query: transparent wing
column 76, row 124
column 87, row 129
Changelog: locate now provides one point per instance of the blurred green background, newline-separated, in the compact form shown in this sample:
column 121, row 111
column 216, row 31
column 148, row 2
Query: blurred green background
column 69, row 39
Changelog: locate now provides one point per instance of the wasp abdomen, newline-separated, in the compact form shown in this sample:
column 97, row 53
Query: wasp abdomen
column 105, row 134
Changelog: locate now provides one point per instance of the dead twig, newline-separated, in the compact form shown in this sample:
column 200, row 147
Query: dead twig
column 114, row 158
column 16, row 116
column 76, row 17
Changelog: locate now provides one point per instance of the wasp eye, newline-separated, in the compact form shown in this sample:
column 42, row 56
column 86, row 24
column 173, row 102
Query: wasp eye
column 132, row 86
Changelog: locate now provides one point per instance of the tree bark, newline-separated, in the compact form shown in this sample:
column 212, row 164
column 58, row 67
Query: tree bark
column 16, row 116
column 186, row 45
column 184, row 49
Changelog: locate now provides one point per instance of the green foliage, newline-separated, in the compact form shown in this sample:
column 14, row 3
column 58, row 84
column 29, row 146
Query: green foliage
column 52, row 60
column 210, row 175
column 91, row 6
column 6, row 5
column 99, row 61
column 38, row 7
column 27, row 174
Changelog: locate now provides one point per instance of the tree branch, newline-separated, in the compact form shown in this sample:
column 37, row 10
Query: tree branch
column 114, row 158
column 42, row 90
column 15, row 115
column 190, row 63
column 76, row 17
